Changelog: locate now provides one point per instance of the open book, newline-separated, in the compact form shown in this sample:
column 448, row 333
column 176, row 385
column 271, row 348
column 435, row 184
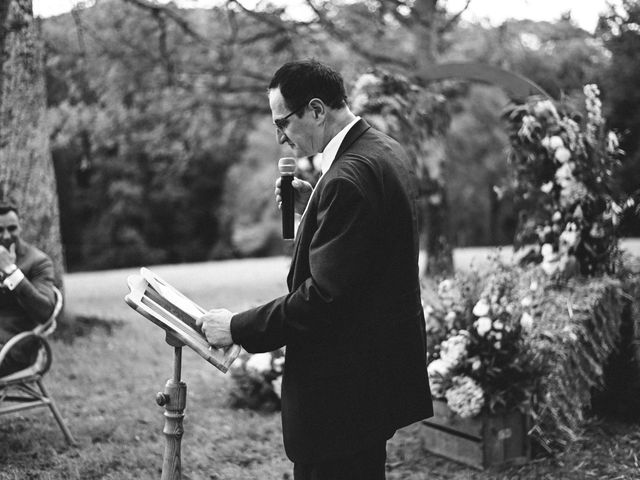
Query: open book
column 165, row 306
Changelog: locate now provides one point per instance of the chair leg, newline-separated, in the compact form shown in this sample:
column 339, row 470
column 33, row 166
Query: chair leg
column 56, row 414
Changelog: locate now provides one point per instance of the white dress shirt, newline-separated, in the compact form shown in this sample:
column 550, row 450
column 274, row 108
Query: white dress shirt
column 329, row 155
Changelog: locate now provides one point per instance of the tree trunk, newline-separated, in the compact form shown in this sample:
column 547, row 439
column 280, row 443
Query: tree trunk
column 26, row 170
column 435, row 235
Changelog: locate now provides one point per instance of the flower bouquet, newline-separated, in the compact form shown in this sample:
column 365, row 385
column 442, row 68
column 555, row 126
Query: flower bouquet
column 477, row 355
column 564, row 170
column 257, row 380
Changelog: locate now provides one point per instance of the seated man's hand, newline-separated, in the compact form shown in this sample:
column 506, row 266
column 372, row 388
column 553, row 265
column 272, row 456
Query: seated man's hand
column 7, row 257
column 302, row 192
column 216, row 327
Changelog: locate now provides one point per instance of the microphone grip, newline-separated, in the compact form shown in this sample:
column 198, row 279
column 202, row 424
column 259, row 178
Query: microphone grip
column 287, row 207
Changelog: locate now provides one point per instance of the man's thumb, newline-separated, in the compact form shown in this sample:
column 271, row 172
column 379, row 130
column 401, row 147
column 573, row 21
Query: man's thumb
column 12, row 249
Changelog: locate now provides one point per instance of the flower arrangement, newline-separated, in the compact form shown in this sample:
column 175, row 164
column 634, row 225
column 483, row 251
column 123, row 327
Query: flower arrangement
column 564, row 169
column 476, row 351
column 415, row 116
column 257, row 380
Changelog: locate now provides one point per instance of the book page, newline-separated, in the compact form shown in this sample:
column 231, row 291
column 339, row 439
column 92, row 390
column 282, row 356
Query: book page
column 172, row 295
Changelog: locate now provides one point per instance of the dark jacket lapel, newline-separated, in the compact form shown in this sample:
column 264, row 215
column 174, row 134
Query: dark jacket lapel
column 352, row 135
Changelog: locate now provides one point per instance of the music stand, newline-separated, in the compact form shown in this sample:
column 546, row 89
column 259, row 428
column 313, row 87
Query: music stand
column 166, row 307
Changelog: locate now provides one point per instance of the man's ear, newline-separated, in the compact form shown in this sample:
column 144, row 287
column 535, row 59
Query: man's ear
column 318, row 107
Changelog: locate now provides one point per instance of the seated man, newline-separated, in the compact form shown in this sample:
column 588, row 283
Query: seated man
column 26, row 289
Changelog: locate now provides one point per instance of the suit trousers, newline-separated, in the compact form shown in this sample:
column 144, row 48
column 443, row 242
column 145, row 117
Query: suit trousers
column 365, row 465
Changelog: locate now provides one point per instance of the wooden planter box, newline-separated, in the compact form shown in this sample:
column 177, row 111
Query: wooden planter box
column 480, row 442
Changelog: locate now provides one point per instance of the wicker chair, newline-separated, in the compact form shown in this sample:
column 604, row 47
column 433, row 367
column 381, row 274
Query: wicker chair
column 24, row 389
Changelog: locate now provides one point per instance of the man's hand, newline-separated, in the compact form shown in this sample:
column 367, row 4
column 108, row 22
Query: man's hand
column 7, row 257
column 216, row 326
column 302, row 192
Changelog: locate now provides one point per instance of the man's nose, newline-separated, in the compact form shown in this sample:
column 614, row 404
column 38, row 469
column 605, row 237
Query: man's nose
column 4, row 234
column 280, row 136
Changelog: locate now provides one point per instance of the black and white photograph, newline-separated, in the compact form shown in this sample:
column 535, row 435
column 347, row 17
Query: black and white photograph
column 319, row 239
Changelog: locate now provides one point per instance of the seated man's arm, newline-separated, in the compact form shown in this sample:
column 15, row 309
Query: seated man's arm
column 35, row 293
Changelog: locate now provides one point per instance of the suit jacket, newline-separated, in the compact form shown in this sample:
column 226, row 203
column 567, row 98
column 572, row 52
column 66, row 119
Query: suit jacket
column 33, row 300
column 353, row 323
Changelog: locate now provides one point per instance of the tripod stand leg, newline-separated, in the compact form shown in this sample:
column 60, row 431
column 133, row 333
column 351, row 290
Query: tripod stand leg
column 174, row 400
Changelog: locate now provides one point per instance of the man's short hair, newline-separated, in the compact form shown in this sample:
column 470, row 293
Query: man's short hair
column 303, row 80
column 6, row 207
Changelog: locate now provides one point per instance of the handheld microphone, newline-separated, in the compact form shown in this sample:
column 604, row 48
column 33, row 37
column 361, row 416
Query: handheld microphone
column 287, row 167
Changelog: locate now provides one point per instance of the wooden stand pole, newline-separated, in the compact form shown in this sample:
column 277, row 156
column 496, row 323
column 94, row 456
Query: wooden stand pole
column 174, row 400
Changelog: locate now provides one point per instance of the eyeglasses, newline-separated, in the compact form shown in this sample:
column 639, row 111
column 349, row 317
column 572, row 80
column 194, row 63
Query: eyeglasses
column 282, row 123
column 10, row 229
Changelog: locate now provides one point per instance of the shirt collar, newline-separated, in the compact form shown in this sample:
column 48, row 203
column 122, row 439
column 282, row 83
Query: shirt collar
column 329, row 152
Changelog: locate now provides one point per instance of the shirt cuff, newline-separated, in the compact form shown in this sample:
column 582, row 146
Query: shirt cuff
column 12, row 281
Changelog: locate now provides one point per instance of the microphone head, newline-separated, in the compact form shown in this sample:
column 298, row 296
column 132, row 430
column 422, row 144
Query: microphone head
column 287, row 166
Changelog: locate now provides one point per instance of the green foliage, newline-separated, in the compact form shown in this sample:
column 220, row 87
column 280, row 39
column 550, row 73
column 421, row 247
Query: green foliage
column 150, row 148
column 575, row 331
column 619, row 28
column 482, row 213
column 559, row 57
column 477, row 331
column 529, row 343
column 257, row 381
column 564, row 169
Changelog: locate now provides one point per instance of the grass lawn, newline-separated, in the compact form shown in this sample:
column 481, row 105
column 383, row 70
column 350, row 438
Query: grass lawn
column 105, row 382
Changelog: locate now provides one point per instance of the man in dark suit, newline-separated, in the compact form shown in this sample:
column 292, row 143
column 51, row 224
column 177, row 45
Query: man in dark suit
column 26, row 289
column 352, row 321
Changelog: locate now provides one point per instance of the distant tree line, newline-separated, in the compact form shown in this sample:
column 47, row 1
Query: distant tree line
column 161, row 134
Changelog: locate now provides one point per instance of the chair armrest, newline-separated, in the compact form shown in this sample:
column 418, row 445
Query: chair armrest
column 23, row 336
column 48, row 327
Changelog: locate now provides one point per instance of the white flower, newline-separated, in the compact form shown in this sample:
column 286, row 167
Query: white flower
column 526, row 321
column 439, row 373
column 498, row 325
column 564, row 175
column 555, row 142
column 547, row 187
column 278, row 364
column 557, row 216
column 529, row 124
column 277, row 385
column 570, row 237
column 550, row 266
column 465, row 397
column 260, row 362
column 534, row 286
column 562, row 155
column 546, row 142
column 612, row 142
column 448, row 293
column 526, row 301
column 547, row 251
column 482, row 308
column 450, row 318
column 545, row 108
column 476, row 365
column 439, row 368
column 483, row 326
column 454, row 349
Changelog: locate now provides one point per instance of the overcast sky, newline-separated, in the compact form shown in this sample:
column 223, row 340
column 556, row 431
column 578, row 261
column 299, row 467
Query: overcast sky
column 584, row 12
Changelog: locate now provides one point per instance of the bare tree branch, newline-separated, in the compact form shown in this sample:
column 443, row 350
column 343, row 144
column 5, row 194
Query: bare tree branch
column 170, row 13
column 347, row 38
column 165, row 56
column 453, row 19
